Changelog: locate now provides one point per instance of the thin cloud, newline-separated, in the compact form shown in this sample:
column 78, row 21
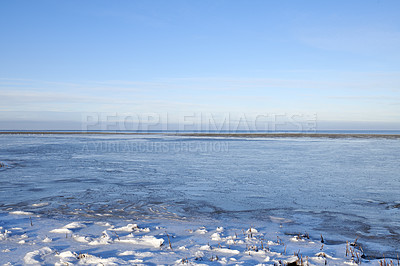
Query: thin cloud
column 355, row 40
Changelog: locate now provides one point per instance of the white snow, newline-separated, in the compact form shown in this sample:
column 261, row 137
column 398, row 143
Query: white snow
column 82, row 239
column 66, row 254
column 61, row 231
column 297, row 239
column 126, row 253
column 324, row 255
column 90, row 243
column 126, row 228
column 201, row 231
column 144, row 241
column 42, row 204
column 227, row 250
column 251, row 231
column 104, row 239
column 205, row 247
column 106, row 224
column 36, row 257
column 74, row 225
column 4, row 235
column 215, row 237
column 47, row 240
column 21, row 213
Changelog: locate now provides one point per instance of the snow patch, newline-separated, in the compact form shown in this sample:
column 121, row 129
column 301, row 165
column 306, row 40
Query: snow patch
column 297, row 239
column 47, row 240
column 74, row 225
column 61, row 231
column 227, row 251
column 144, row 241
column 36, row 257
column 205, row 247
column 5, row 235
column 215, row 237
column 105, row 239
column 21, row 213
column 42, row 204
column 126, row 253
column 126, row 228
column 201, row 231
column 251, row 231
column 82, row 239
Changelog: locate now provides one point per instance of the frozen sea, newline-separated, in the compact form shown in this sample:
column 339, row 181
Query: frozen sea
column 340, row 188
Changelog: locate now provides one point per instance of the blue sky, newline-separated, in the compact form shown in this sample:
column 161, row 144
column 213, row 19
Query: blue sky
column 62, row 60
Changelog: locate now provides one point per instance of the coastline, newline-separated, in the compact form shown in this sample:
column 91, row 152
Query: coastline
column 226, row 135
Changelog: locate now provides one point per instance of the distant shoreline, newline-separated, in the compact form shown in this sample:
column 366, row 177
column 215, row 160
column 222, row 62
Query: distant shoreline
column 232, row 135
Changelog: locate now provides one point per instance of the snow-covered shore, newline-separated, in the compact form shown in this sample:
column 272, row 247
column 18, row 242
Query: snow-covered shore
column 33, row 240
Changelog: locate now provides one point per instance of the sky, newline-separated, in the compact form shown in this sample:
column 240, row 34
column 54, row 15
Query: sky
column 255, row 64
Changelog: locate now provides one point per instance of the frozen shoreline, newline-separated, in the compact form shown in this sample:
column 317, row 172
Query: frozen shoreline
column 340, row 188
column 33, row 240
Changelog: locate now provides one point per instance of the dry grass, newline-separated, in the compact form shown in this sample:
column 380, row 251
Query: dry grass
column 169, row 241
column 355, row 251
column 389, row 263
